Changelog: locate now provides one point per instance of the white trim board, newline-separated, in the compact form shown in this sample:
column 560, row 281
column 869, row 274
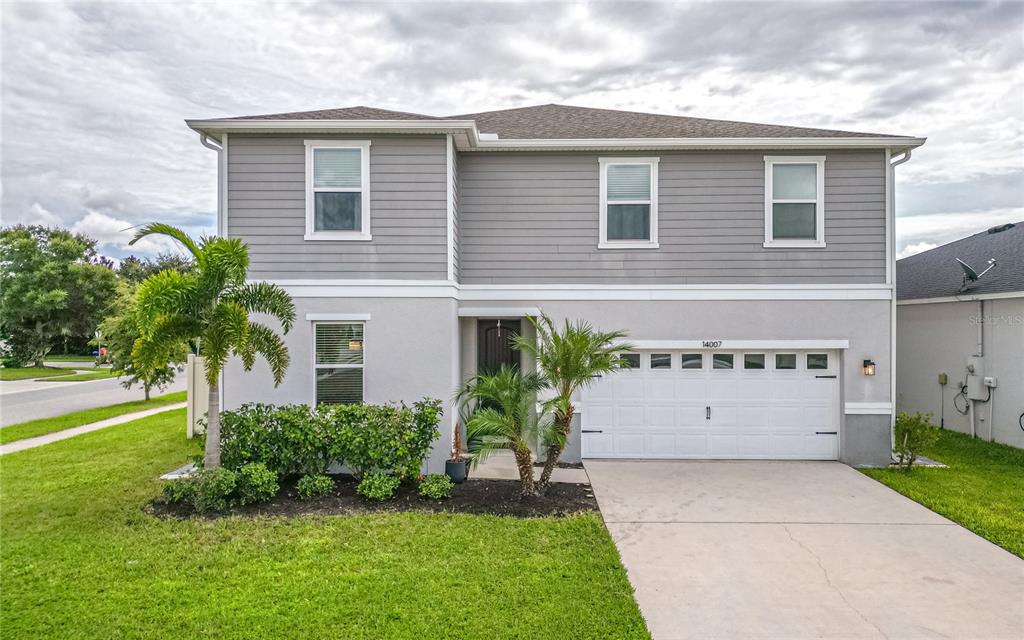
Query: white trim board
column 732, row 345
column 337, row 317
column 868, row 408
column 498, row 312
column 964, row 298
column 539, row 293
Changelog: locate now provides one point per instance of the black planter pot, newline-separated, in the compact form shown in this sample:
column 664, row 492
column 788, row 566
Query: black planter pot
column 457, row 470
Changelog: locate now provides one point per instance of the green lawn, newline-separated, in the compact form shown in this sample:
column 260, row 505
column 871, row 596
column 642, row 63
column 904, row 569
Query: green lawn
column 24, row 373
column 983, row 488
column 98, row 374
column 39, row 427
column 80, row 559
column 68, row 358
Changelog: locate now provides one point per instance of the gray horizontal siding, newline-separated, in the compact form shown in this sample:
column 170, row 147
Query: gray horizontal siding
column 408, row 209
column 533, row 218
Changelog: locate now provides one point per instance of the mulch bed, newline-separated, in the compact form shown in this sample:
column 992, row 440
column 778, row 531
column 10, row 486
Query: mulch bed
column 477, row 496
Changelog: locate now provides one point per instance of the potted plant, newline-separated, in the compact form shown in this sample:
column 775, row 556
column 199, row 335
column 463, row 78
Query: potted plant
column 456, row 467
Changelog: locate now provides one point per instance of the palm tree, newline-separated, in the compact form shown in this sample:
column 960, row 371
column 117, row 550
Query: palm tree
column 209, row 307
column 502, row 416
column 569, row 359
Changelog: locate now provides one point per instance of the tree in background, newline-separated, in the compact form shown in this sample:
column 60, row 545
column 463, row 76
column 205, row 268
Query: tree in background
column 120, row 331
column 209, row 307
column 134, row 270
column 50, row 286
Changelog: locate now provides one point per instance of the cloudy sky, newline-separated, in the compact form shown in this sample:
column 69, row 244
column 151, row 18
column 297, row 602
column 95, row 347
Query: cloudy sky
column 94, row 93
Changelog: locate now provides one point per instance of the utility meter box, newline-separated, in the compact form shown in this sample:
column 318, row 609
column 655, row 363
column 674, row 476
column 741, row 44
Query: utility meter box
column 976, row 389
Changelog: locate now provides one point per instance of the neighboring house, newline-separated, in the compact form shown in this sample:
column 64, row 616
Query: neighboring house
column 946, row 322
column 752, row 266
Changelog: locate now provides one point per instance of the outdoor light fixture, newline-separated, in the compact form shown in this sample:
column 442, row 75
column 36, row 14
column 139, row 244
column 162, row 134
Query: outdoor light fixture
column 869, row 368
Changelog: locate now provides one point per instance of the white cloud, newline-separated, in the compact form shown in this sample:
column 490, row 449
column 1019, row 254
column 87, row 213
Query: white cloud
column 914, row 249
column 113, row 235
column 94, row 93
column 940, row 228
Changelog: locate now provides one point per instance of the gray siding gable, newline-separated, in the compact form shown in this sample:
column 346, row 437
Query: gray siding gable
column 408, row 203
column 533, row 217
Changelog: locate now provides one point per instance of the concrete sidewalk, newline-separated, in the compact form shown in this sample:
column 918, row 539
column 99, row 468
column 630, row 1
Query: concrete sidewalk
column 502, row 466
column 29, row 443
column 737, row 549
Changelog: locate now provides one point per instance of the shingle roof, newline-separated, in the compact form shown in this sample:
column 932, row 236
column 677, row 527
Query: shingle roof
column 936, row 274
column 557, row 121
column 344, row 113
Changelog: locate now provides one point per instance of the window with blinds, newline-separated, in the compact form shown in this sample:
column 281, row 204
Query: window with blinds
column 338, row 362
column 628, row 202
column 337, row 193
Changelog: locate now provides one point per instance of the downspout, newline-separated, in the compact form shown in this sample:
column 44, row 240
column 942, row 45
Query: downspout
column 221, row 217
column 891, row 220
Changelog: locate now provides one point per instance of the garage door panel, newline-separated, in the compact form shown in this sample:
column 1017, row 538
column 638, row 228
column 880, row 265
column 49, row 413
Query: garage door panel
column 708, row 413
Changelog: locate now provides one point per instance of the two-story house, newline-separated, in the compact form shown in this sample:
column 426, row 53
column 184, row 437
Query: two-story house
column 752, row 265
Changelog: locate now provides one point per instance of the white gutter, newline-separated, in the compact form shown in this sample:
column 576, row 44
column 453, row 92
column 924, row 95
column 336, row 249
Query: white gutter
column 221, row 157
column 890, row 204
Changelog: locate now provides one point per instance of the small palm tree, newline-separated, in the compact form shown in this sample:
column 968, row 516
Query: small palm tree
column 502, row 416
column 209, row 307
column 569, row 360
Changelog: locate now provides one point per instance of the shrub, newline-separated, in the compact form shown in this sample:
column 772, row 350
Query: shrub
column 256, row 483
column 378, row 486
column 371, row 438
column 289, row 439
column 211, row 489
column 914, row 434
column 314, row 486
column 178, row 490
column 436, row 486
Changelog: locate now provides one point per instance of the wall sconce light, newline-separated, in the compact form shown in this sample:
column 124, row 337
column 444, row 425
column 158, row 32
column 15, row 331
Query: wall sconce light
column 869, row 368
column 356, row 345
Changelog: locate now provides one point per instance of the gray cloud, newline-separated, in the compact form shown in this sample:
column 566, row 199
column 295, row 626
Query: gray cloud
column 94, row 93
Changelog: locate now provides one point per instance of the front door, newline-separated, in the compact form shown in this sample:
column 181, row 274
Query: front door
column 494, row 347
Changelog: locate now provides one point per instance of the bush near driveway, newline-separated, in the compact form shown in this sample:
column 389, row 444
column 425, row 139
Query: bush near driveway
column 80, row 559
column 982, row 488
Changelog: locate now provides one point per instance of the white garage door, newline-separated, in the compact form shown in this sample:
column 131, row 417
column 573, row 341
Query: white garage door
column 716, row 404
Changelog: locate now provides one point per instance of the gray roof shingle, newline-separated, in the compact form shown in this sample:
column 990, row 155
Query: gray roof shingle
column 556, row 121
column 344, row 113
column 936, row 274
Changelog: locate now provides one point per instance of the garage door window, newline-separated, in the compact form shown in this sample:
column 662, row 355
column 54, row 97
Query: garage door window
column 723, row 361
column 661, row 361
column 692, row 361
column 817, row 361
column 630, row 361
column 785, row 361
column 753, row 361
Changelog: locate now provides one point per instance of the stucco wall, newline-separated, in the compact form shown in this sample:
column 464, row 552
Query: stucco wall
column 938, row 338
column 409, row 354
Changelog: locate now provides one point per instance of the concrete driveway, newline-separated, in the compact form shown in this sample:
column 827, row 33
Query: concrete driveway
column 799, row 550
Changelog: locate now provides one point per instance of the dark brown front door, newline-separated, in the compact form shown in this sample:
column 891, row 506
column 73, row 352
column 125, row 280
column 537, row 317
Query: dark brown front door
column 495, row 345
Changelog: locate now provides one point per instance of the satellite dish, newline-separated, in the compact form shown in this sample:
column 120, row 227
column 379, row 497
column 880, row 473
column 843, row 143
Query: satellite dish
column 970, row 275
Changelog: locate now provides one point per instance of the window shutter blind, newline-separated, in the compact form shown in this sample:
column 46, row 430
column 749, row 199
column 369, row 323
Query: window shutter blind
column 339, row 386
column 794, row 182
column 337, row 168
column 339, row 344
column 629, row 182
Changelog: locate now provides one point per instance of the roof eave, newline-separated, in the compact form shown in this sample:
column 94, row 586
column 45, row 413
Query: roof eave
column 468, row 136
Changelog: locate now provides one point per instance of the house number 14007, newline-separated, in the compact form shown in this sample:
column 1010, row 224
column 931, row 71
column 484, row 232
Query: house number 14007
column 711, row 344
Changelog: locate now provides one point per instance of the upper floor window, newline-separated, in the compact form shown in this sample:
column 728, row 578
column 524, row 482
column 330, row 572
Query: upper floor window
column 337, row 190
column 794, row 201
column 629, row 203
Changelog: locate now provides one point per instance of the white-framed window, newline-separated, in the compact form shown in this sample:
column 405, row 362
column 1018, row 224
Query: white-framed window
column 338, row 349
column 629, row 203
column 337, row 190
column 794, row 201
